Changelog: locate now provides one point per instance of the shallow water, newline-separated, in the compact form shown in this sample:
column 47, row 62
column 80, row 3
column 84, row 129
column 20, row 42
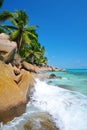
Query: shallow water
column 68, row 108
column 73, row 79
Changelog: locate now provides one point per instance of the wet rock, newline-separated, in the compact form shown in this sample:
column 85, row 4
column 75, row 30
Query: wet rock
column 40, row 121
column 52, row 76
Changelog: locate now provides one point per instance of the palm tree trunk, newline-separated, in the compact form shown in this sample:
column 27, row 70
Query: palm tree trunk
column 32, row 59
column 19, row 44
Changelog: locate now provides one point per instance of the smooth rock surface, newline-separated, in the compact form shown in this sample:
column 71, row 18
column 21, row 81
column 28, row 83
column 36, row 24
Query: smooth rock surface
column 30, row 67
column 7, row 48
column 13, row 96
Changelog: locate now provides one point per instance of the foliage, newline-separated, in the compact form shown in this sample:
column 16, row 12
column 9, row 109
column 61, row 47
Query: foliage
column 26, row 36
column 5, row 15
column 34, row 53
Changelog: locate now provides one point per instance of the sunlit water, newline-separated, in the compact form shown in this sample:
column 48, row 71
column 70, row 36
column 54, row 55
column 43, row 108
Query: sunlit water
column 73, row 79
column 68, row 108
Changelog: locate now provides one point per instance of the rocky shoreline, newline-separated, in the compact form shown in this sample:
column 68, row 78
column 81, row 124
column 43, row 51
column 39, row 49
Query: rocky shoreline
column 17, row 79
column 14, row 92
column 16, row 87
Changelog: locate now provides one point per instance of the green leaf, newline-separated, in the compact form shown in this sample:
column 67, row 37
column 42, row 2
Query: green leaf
column 2, row 30
column 5, row 15
column 9, row 28
column 14, row 35
column 30, row 28
column 21, row 17
column 26, row 39
column 31, row 35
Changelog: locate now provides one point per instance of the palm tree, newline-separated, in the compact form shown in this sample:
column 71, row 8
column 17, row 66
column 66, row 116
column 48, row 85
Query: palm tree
column 20, row 31
column 25, row 36
column 34, row 53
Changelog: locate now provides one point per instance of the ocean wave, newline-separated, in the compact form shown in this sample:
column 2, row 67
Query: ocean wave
column 68, row 108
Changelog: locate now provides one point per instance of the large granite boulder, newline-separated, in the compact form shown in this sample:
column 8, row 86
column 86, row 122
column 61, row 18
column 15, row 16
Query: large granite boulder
column 26, row 84
column 49, row 68
column 30, row 67
column 7, row 48
column 13, row 95
column 40, row 121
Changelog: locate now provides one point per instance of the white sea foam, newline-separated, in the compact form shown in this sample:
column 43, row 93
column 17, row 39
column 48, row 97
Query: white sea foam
column 69, row 109
column 64, row 78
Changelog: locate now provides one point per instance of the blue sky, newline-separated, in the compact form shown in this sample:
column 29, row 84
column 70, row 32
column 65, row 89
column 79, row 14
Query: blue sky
column 63, row 28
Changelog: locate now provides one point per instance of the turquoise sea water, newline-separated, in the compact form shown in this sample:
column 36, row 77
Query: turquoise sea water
column 65, row 99
column 72, row 79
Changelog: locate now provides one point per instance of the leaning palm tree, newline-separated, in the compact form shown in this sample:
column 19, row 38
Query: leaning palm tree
column 31, row 53
column 35, row 53
column 19, row 30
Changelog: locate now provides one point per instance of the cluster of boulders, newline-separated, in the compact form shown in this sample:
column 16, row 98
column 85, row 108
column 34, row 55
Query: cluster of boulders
column 15, row 90
column 17, row 85
column 49, row 68
column 7, row 48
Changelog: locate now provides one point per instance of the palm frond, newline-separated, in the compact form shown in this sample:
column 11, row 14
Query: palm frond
column 9, row 28
column 26, row 39
column 2, row 30
column 14, row 22
column 5, row 15
column 14, row 35
column 37, row 54
column 21, row 17
column 43, row 60
column 30, row 28
column 30, row 34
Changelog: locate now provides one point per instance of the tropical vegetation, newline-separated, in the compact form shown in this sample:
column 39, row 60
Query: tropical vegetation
column 26, row 37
